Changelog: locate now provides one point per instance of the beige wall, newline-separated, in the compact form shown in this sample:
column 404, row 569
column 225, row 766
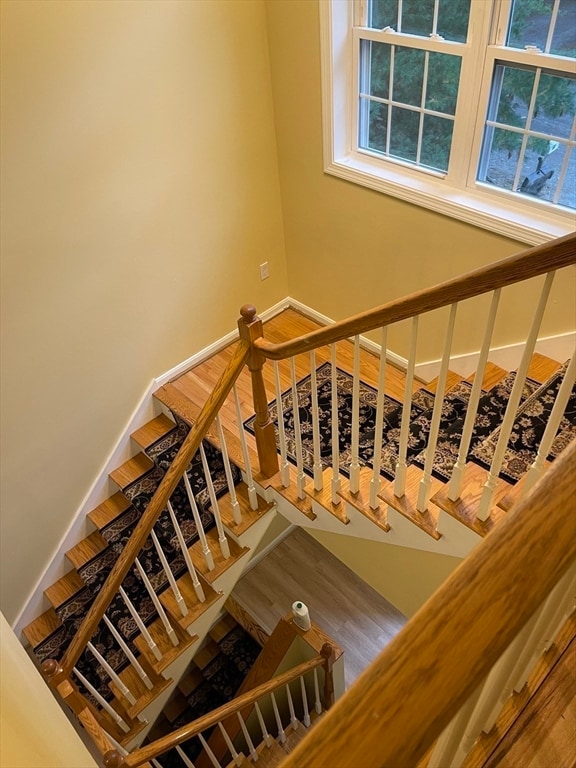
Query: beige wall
column 35, row 732
column 140, row 194
column 350, row 248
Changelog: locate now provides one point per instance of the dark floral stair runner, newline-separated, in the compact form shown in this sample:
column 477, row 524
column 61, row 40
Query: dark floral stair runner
column 117, row 533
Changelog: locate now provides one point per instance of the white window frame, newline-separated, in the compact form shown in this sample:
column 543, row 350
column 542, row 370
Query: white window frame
column 455, row 194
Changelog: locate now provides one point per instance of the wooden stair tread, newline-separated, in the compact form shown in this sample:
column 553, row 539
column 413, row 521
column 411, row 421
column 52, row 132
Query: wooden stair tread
column 153, row 431
column 144, row 696
column 195, row 607
column 361, row 500
column 109, row 510
column 324, row 498
column 191, row 680
column 42, row 627
column 131, row 470
column 221, row 564
column 290, row 493
column 249, row 515
column 541, row 368
column 246, row 621
column 406, row 505
column 452, row 378
column 206, row 654
column 492, row 375
column 63, row 589
column 174, row 708
column 86, row 549
column 169, row 652
column 223, row 627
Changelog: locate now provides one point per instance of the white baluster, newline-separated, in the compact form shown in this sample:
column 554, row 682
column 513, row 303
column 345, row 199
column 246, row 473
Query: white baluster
column 510, row 415
column 318, row 481
column 211, row 755
column 300, row 479
column 400, row 479
column 281, row 734
column 425, row 482
column 284, row 469
column 457, row 477
column 238, row 759
column 306, row 717
column 222, row 540
column 252, row 495
column 129, row 655
column 118, row 747
column 157, row 604
column 251, row 749
column 354, row 465
column 335, row 430
column 126, row 692
column 447, row 744
column 155, row 763
column 564, row 607
column 186, row 554
column 317, row 701
column 375, row 481
column 169, row 575
column 293, row 720
column 268, row 740
column 236, row 512
column 184, row 757
column 140, row 624
column 199, row 527
column 556, row 416
column 102, row 701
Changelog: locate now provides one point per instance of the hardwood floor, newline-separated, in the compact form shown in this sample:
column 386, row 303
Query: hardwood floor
column 343, row 605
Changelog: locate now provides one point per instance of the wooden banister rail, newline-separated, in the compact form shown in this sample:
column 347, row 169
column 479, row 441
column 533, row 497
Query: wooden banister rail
column 529, row 263
column 158, row 747
column 154, row 508
column 408, row 695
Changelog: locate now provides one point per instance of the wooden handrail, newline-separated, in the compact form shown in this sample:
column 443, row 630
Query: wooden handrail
column 529, row 263
column 158, row 747
column 408, row 695
column 155, row 507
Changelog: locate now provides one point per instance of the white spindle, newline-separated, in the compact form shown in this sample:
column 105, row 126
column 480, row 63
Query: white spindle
column 117, row 746
column 510, row 415
column 426, row 480
column 317, row 701
column 140, row 624
column 293, row 720
column 300, row 479
column 400, row 479
column 306, row 717
column 157, row 604
column 211, row 755
column 238, row 759
column 186, row 554
column 251, row 749
column 268, row 740
column 335, row 430
column 169, row 575
column 154, row 762
column 129, row 655
column 236, row 512
column 124, row 690
column 556, row 415
column 564, row 607
column 184, row 757
column 102, row 701
column 447, row 744
column 222, row 540
column 318, row 481
column 375, row 482
column 281, row 734
column 199, row 527
column 284, row 469
column 252, row 495
column 354, row 465
column 457, row 477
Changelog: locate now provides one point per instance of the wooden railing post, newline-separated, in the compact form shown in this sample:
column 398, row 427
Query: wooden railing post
column 113, row 759
column 250, row 329
column 329, row 656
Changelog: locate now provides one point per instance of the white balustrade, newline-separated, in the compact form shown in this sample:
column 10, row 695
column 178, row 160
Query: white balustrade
column 375, row 482
column 284, row 468
column 140, row 624
column 300, row 479
column 317, row 701
column 281, row 733
column 426, row 480
column 209, row 559
column 293, row 720
column 128, row 653
column 252, row 495
column 222, row 540
column 354, row 465
column 236, row 511
column 211, row 755
column 267, row 739
column 400, row 479
column 184, row 757
column 238, row 759
column 157, row 604
column 169, row 575
column 318, row 479
column 447, row 744
column 335, row 429
column 485, row 504
column 249, row 743
column 117, row 746
column 122, row 687
column 306, row 716
column 564, row 607
column 102, row 701
column 186, row 554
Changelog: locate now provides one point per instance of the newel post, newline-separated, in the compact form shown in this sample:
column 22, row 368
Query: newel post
column 250, row 329
column 113, row 759
column 327, row 651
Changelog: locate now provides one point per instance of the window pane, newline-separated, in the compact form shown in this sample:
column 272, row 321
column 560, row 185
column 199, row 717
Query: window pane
column 409, row 76
column 417, row 17
column 540, row 170
column 530, row 23
column 516, row 87
column 554, row 107
column 442, row 84
column 375, row 136
column 383, row 13
column 564, row 37
column 404, row 134
column 568, row 194
column 502, row 159
column 453, row 16
column 436, row 142
column 375, row 62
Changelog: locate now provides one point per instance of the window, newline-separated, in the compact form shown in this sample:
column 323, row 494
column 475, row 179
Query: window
column 464, row 106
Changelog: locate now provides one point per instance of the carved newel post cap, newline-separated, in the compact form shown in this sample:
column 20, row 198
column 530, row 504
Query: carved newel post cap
column 326, row 650
column 113, row 759
column 248, row 313
column 50, row 667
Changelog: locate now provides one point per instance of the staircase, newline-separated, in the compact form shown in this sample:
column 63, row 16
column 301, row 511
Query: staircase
column 434, row 467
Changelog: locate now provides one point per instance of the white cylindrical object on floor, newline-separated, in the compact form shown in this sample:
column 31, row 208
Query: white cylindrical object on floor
column 301, row 615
